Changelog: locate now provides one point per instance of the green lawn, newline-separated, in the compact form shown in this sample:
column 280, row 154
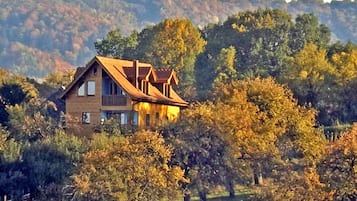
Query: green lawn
column 242, row 194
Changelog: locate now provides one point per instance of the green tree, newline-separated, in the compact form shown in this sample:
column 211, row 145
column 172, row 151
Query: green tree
column 173, row 44
column 308, row 73
column 308, row 30
column 49, row 163
column 116, row 45
column 224, row 66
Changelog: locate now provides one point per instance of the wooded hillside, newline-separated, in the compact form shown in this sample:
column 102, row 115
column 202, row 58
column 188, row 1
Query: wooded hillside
column 38, row 37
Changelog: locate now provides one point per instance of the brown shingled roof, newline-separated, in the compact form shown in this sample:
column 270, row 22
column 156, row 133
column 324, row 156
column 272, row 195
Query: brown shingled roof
column 166, row 76
column 121, row 70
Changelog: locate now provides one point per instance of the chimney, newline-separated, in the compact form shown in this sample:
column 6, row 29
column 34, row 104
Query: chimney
column 136, row 73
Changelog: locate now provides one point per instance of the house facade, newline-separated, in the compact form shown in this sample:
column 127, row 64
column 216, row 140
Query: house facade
column 134, row 94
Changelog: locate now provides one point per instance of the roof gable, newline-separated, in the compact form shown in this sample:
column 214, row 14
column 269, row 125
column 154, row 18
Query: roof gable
column 123, row 72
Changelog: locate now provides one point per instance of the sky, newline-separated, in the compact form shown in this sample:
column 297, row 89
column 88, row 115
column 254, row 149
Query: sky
column 326, row 1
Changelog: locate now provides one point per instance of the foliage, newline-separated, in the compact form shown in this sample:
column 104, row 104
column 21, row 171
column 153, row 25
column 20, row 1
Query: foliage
column 49, row 163
column 307, row 74
column 58, row 80
column 339, row 169
column 116, row 45
column 131, row 168
column 284, row 122
column 172, row 44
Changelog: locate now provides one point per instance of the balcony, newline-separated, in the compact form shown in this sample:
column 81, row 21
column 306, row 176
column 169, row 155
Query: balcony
column 114, row 100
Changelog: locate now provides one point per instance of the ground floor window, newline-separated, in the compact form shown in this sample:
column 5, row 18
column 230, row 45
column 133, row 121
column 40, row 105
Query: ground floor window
column 122, row 117
column 85, row 117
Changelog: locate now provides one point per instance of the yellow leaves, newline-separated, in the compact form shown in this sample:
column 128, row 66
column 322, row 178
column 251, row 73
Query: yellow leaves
column 346, row 65
column 129, row 167
column 303, row 74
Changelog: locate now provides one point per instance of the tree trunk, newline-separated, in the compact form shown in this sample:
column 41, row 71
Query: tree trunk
column 231, row 189
column 258, row 177
column 202, row 195
column 186, row 195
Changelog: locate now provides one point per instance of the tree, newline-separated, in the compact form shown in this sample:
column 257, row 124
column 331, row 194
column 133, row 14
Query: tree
column 308, row 73
column 128, row 168
column 49, row 163
column 116, row 45
column 338, row 169
column 205, row 146
column 224, row 66
column 307, row 30
column 173, row 44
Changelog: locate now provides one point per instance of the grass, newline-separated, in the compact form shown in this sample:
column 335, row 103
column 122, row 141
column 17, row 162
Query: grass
column 241, row 194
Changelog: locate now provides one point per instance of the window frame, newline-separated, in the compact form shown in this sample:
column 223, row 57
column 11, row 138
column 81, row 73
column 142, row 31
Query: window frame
column 86, row 118
column 81, row 91
column 91, row 91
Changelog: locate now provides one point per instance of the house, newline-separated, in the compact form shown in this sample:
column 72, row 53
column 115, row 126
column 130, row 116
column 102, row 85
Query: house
column 134, row 93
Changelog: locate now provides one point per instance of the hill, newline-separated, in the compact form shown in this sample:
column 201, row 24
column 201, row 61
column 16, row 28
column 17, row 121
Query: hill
column 38, row 37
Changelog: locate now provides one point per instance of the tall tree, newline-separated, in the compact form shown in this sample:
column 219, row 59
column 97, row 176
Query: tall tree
column 308, row 30
column 173, row 44
column 116, row 45
column 308, row 73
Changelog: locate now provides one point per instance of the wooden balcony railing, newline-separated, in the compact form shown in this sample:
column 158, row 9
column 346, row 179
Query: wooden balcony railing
column 114, row 100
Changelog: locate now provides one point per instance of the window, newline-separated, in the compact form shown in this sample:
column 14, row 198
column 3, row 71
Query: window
column 120, row 117
column 135, row 118
column 145, row 87
column 85, row 117
column 167, row 90
column 91, row 88
column 81, row 89
column 147, row 120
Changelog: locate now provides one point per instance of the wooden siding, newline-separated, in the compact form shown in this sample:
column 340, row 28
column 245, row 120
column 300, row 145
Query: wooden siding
column 76, row 105
column 165, row 113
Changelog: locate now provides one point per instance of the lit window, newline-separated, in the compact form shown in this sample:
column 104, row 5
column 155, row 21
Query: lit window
column 91, row 88
column 81, row 89
column 85, row 117
column 147, row 120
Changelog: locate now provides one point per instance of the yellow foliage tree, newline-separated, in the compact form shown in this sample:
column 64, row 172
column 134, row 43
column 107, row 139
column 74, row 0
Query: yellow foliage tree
column 132, row 168
column 339, row 168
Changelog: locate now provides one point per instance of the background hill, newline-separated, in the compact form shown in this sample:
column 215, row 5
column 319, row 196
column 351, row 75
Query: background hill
column 38, row 37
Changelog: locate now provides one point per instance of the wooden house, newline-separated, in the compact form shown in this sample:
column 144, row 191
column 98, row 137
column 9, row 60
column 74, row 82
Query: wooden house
column 133, row 93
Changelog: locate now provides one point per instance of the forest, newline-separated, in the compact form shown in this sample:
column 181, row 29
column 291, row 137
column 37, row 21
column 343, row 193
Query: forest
column 273, row 108
column 40, row 37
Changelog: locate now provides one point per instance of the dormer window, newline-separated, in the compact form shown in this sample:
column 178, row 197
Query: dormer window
column 166, row 90
column 145, row 87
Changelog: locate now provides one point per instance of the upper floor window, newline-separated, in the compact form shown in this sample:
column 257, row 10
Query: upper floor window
column 145, row 87
column 167, row 90
column 91, row 88
column 81, row 88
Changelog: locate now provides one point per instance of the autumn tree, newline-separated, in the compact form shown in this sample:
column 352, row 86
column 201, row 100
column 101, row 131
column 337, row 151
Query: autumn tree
column 128, row 168
column 308, row 73
column 173, row 44
column 205, row 146
column 338, row 169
